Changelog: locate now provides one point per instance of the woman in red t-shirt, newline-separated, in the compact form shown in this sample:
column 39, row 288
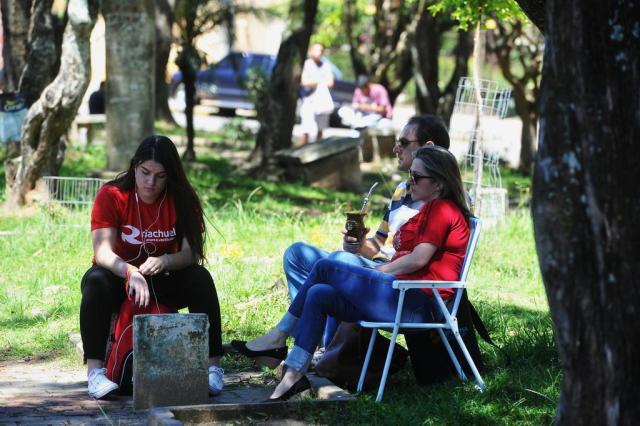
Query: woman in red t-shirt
column 148, row 240
column 431, row 246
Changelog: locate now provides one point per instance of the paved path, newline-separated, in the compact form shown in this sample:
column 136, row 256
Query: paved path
column 45, row 391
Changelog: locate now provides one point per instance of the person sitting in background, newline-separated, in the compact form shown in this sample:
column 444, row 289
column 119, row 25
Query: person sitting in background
column 370, row 106
column 148, row 242
column 429, row 246
column 97, row 100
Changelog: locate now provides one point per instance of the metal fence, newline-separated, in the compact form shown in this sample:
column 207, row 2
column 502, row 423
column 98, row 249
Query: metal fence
column 68, row 200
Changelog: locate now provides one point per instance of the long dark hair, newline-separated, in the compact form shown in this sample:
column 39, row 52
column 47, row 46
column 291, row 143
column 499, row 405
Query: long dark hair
column 189, row 215
column 443, row 167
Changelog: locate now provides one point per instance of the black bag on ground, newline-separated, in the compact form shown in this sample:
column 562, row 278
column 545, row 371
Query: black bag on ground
column 429, row 358
column 344, row 356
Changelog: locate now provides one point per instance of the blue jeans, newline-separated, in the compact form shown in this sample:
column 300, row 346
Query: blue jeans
column 298, row 261
column 347, row 293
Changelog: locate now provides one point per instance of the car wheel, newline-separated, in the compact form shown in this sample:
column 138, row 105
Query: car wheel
column 226, row 112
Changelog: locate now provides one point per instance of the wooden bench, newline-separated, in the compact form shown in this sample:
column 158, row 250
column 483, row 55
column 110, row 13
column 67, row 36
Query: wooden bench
column 89, row 123
column 329, row 163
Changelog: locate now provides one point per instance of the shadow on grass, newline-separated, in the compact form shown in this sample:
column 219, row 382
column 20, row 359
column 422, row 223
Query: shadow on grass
column 524, row 391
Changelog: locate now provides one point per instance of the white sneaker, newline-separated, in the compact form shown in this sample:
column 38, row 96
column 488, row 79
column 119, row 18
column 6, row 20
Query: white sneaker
column 215, row 380
column 99, row 385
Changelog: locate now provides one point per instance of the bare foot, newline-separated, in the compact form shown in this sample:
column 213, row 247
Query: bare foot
column 288, row 380
column 272, row 340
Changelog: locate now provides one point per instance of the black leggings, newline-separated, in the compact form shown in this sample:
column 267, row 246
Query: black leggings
column 103, row 293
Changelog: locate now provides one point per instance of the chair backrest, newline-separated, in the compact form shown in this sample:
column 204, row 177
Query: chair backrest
column 475, row 226
column 474, row 233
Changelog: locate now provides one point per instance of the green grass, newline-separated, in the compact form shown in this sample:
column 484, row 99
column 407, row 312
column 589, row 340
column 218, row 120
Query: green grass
column 252, row 222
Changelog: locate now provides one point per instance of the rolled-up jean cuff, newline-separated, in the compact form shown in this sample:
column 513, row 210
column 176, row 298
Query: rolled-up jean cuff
column 298, row 359
column 288, row 324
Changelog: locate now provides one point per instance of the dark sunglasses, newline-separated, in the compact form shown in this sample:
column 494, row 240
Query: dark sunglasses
column 415, row 177
column 404, row 142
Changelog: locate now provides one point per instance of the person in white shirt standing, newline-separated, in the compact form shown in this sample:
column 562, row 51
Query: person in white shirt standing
column 317, row 105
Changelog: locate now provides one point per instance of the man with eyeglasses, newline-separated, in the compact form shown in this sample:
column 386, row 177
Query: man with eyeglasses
column 300, row 257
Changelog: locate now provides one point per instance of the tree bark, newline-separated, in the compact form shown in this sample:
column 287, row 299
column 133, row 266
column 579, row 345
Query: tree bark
column 51, row 115
column 585, row 206
column 165, row 17
column 130, row 101
column 16, row 16
column 43, row 59
column 280, row 108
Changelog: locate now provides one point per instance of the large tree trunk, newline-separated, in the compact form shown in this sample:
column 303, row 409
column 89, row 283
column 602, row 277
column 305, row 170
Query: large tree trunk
column 165, row 16
column 279, row 112
column 51, row 115
column 130, row 48
column 43, row 63
column 43, row 60
column 16, row 16
column 585, row 205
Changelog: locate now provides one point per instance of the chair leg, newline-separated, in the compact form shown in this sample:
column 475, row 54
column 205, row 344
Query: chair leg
column 387, row 363
column 452, row 355
column 472, row 364
column 365, row 365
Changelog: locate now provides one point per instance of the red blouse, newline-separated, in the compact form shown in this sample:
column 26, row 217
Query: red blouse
column 442, row 224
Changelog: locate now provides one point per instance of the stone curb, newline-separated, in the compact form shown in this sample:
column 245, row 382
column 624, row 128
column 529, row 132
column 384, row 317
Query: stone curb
column 327, row 395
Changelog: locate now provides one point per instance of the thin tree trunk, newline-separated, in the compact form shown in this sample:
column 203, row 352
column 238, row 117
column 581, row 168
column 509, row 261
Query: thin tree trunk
column 351, row 17
column 130, row 100
column 16, row 16
column 461, row 53
column 280, row 108
column 476, row 146
column 425, row 52
column 51, row 115
column 529, row 117
column 585, row 206
column 188, row 70
column 164, row 21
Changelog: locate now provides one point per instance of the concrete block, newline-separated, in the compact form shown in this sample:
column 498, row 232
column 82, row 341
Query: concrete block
column 170, row 365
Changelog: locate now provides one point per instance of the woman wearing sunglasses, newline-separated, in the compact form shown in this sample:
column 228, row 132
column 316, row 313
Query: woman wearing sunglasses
column 430, row 246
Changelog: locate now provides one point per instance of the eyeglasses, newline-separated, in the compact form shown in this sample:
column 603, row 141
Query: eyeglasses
column 415, row 177
column 404, row 142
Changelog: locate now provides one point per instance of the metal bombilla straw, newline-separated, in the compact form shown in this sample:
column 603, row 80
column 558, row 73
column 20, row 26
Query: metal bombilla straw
column 366, row 199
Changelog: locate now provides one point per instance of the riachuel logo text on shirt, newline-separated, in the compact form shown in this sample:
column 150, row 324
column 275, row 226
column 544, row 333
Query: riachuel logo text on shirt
column 156, row 236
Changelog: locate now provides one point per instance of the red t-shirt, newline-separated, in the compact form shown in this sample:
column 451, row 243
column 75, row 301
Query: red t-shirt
column 442, row 224
column 136, row 223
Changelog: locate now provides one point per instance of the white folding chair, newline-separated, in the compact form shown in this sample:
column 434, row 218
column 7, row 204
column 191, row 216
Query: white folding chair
column 449, row 313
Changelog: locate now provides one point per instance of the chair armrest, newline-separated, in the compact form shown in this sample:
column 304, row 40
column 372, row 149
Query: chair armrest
column 407, row 284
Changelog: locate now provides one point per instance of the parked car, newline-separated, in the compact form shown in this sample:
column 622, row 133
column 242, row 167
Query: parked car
column 223, row 84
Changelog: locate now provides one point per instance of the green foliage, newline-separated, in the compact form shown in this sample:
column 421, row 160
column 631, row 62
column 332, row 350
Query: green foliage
column 470, row 12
